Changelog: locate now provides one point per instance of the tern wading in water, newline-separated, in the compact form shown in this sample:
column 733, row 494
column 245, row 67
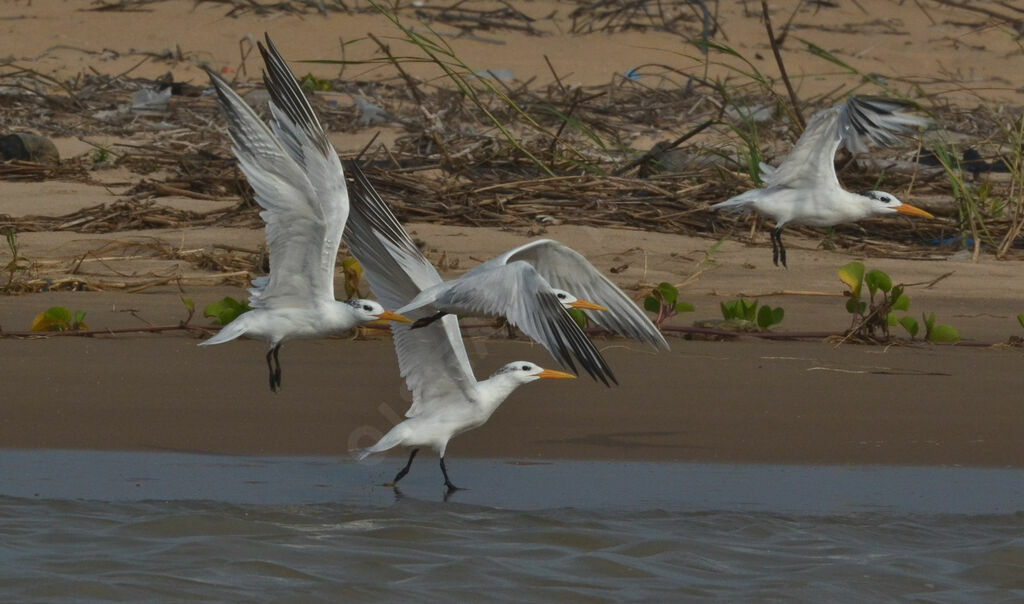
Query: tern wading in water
column 447, row 399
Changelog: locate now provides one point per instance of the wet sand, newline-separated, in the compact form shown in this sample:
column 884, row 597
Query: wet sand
column 745, row 401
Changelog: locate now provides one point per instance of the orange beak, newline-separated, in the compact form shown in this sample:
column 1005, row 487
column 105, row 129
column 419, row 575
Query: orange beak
column 392, row 316
column 551, row 373
column 911, row 210
column 586, row 305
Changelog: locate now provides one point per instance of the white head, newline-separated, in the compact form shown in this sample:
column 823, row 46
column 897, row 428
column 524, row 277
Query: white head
column 886, row 203
column 568, row 300
column 523, row 372
column 368, row 310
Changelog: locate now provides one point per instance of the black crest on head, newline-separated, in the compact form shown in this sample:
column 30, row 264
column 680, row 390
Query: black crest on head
column 877, row 196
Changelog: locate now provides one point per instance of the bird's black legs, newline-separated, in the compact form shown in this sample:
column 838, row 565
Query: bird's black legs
column 405, row 470
column 778, row 250
column 427, row 320
column 447, row 482
column 274, row 365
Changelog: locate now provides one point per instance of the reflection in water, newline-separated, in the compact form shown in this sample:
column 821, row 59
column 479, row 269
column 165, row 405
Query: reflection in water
column 166, row 526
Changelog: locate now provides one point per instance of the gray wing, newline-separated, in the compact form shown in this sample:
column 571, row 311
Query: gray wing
column 567, row 269
column 432, row 359
column 517, row 292
column 298, row 182
column 854, row 123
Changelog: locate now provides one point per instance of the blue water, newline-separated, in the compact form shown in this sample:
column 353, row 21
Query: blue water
column 167, row 527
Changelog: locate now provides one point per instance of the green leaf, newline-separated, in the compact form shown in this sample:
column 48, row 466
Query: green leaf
column 579, row 316
column 878, row 280
column 684, row 307
column 79, row 316
column 58, row 314
column 890, row 319
column 1020, row 319
column 728, row 309
column 189, row 303
column 929, row 321
column 225, row 311
column 852, row 275
column 910, row 324
column 853, row 306
column 749, row 309
column 777, row 315
column 901, row 303
column 944, row 333
column 764, row 317
column 55, row 318
column 668, row 293
column 651, row 304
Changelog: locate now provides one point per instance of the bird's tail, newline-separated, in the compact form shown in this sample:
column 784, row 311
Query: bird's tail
column 227, row 333
column 738, row 203
column 389, row 441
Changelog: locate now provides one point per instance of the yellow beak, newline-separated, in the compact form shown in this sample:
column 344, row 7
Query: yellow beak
column 909, row 209
column 551, row 373
column 586, row 305
column 387, row 315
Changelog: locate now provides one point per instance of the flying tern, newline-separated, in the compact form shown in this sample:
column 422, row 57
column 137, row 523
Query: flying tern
column 529, row 285
column 298, row 180
column 804, row 189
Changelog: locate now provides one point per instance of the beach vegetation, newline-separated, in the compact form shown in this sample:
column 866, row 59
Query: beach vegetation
column 745, row 311
column 225, row 310
column 59, row 318
column 664, row 302
column 874, row 313
column 353, row 273
column 18, row 263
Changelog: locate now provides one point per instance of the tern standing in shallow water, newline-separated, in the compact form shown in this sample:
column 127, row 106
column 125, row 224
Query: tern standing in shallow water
column 532, row 285
column 804, row 189
column 299, row 183
column 447, row 399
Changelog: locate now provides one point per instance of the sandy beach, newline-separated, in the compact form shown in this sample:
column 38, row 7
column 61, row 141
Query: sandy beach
column 741, row 400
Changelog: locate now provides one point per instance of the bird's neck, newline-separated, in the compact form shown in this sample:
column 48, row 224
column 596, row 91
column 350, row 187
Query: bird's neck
column 339, row 316
column 494, row 390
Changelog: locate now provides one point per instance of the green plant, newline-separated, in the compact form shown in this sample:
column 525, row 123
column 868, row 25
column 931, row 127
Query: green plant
column 579, row 317
column 938, row 333
column 225, row 310
column 353, row 272
column 664, row 302
column 101, row 155
column 743, row 310
column 18, row 262
column 872, row 317
column 314, row 84
column 59, row 318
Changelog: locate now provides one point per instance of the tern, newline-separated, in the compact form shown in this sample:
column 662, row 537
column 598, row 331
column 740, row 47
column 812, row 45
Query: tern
column 529, row 285
column 447, row 398
column 804, row 189
column 298, row 180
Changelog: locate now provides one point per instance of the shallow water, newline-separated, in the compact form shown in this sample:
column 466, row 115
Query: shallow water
column 163, row 526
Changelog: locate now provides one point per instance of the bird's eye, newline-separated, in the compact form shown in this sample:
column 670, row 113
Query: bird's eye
column 367, row 307
column 526, row 367
column 561, row 296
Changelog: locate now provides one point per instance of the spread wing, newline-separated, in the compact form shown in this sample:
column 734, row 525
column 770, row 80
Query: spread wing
column 854, row 123
column 567, row 269
column 432, row 359
column 299, row 183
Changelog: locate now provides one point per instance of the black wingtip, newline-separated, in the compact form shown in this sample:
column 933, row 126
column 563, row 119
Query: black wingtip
column 569, row 337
